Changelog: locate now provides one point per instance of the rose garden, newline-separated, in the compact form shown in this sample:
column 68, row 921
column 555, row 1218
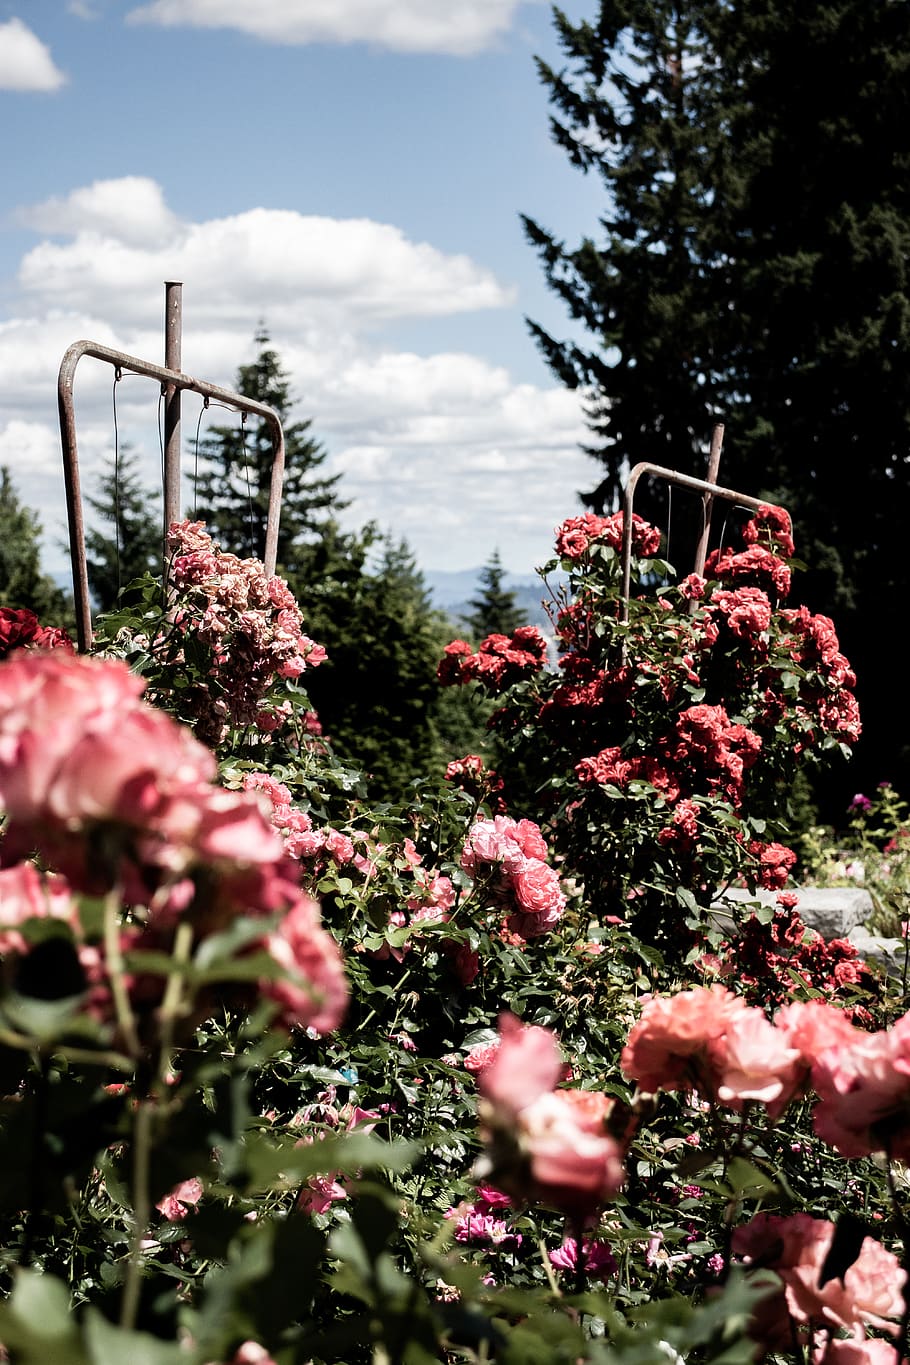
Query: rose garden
column 291, row 1076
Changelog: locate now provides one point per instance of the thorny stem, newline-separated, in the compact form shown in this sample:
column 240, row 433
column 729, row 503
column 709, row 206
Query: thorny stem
column 171, row 1004
column 145, row 1115
column 548, row 1269
column 84, row 1056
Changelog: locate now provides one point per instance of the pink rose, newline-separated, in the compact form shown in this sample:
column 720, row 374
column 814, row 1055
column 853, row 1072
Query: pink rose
column 181, row 1199
column 313, row 992
column 549, row 1146
column 869, row 1293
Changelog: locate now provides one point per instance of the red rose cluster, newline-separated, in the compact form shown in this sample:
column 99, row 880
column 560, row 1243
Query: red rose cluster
column 500, row 661
column 20, row 628
column 698, row 709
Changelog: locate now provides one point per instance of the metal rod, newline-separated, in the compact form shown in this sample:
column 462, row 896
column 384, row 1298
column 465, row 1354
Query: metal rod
column 165, row 376
column 684, row 481
column 173, row 343
column 701, row 552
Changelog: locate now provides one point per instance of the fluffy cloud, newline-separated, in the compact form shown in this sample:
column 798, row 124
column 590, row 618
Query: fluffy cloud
column 131, row 210
column 125, row 241
column 403, row 25
column 26, row 62
column 444, row 449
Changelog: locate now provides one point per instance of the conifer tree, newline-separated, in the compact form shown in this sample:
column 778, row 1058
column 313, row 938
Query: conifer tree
column 377, row 695
column 22, row 580
column 495, row 609
column 752, row 264
column 636, row 106
column 132, row 544
column 232, row 485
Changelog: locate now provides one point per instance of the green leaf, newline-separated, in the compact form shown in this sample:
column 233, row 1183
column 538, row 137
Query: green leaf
column 110, row 1345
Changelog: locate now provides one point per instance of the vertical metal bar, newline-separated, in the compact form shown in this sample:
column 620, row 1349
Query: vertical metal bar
column 173, row 341
column 717, row 441
column 74, row 498
column 275, row 489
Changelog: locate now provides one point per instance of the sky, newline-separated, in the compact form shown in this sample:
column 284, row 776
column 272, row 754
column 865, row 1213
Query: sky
column 350, row 174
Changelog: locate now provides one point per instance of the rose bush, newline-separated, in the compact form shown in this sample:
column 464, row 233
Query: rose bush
column 288, row 1077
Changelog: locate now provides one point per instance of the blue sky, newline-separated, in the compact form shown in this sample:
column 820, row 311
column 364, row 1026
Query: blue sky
column 351, row 173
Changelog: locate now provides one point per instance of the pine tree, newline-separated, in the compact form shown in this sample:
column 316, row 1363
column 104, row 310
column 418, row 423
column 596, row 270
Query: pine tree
column 232, row 485
column 377, row 695
column 22, row 581
column 495, row 609
column 752, row 264
column 132, row 546
column 637, row 107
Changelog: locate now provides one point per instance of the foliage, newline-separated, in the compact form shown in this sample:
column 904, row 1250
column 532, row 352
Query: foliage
column 750, row 265
column 201, row 1161
column 873, row 852
column 664, row 746
column 22, row 583
column 377, row 696
column 494, row 610
column 133, row 546
column 232, row 486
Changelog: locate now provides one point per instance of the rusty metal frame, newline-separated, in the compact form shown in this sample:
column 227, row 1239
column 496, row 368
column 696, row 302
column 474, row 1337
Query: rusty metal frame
column 173, row 382
column 707, row 487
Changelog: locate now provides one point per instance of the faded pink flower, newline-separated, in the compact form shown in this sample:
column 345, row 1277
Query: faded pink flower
column 678, row 1042
column 597, row 1258
column 870, row 1292
column 864, row 1090
column 313, row 993
column 182, row 1198
column 544, row 1145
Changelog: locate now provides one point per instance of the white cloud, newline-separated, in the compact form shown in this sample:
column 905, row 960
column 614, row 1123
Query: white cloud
column 131, row 210
column 444, row 449
column 460, row 29
column 25, row 62
column 125, row 241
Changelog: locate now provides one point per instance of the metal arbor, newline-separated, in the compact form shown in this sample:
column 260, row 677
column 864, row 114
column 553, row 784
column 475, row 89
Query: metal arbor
column 173, row 382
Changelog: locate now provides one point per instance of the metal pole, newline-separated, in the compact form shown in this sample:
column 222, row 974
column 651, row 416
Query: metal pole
column 173, row 338
column 717, row 441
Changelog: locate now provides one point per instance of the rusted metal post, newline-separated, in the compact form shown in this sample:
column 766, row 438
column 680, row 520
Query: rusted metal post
column 717, row 442
column 173, row 344
column 74, row 517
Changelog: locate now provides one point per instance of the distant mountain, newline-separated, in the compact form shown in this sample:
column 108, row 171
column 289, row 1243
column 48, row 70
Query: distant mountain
column 451, row 591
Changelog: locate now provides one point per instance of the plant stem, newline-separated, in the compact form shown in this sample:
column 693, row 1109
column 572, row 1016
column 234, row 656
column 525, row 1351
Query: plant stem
column 116, row 973
column 142, row 1145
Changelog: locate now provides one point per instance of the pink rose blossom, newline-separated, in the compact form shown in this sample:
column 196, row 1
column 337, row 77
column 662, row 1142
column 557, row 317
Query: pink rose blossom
column 181, row 1199
column 546, row 1145
column 313, row 991
column 597, row 1258
column 869, row 1293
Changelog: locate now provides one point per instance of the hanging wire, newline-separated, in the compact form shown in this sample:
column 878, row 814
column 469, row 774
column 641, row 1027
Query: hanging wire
column 161, row 431
column 204, row 408
column 249, row 486
column 118, row 375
